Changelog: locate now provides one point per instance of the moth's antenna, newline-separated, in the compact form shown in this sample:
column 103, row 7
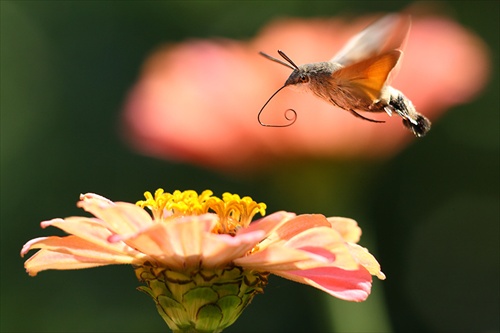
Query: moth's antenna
column 290, row 65
column 284, row 56
column 293, row 118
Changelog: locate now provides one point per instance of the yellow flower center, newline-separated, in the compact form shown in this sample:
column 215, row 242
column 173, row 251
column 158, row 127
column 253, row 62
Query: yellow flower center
column 233, row 212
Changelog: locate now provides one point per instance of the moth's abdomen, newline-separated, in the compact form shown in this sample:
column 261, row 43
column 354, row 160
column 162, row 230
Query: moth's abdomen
column 422, row 126
column 413, row 120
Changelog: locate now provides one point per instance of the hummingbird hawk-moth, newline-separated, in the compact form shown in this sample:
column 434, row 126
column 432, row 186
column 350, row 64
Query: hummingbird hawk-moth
column 357, row 78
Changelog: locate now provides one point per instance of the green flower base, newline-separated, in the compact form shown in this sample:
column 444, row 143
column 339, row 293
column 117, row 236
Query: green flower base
column 204, row 301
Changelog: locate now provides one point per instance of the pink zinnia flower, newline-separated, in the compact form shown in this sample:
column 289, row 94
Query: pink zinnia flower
column 198, row 100
column 201, row 258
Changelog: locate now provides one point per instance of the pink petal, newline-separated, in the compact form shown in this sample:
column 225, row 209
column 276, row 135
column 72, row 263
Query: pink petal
column 187, row 241
column 350, row 285
column 305, row 241
column 222, row 249
column 278, row 258
column 268, row 223
column 120, row 217
column 43, row 260
column 348, row 228
column 301, row 223
column 323, row 240
column 76, row 252
column 27, row 247
column 98, row 199
column 324, row 237
column 90, row 230
column 366, row 259
column 175, row 242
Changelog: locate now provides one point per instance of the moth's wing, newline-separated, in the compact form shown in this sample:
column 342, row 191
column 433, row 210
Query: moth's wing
column 386, row 34
column 365, row 79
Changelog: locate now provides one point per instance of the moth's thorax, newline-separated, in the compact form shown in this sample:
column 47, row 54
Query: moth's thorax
column 321, row 82
column 319, row 68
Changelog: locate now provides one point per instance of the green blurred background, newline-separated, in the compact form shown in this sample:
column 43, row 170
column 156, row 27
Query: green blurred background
column 66, row 67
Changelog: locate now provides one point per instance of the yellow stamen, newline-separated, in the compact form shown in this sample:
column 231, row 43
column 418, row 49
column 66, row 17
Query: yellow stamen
column 233, row 212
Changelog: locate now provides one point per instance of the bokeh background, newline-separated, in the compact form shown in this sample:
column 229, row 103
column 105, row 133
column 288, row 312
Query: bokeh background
column 430, row 214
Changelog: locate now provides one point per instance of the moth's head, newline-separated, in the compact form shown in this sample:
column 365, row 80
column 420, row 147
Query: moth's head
column 299, row 75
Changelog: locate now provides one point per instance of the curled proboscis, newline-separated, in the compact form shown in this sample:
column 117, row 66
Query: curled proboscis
column 290, row 114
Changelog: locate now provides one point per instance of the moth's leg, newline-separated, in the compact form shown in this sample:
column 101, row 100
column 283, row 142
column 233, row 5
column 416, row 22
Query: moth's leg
column 363, row 117
column 380, row 106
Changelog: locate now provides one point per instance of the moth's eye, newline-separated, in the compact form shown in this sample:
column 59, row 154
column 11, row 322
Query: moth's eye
column 304, row 78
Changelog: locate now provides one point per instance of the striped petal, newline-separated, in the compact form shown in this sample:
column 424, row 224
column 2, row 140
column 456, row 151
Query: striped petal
column 344, row 284
column 72, row 252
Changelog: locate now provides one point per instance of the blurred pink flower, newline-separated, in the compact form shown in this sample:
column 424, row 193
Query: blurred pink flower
column 198, row 101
